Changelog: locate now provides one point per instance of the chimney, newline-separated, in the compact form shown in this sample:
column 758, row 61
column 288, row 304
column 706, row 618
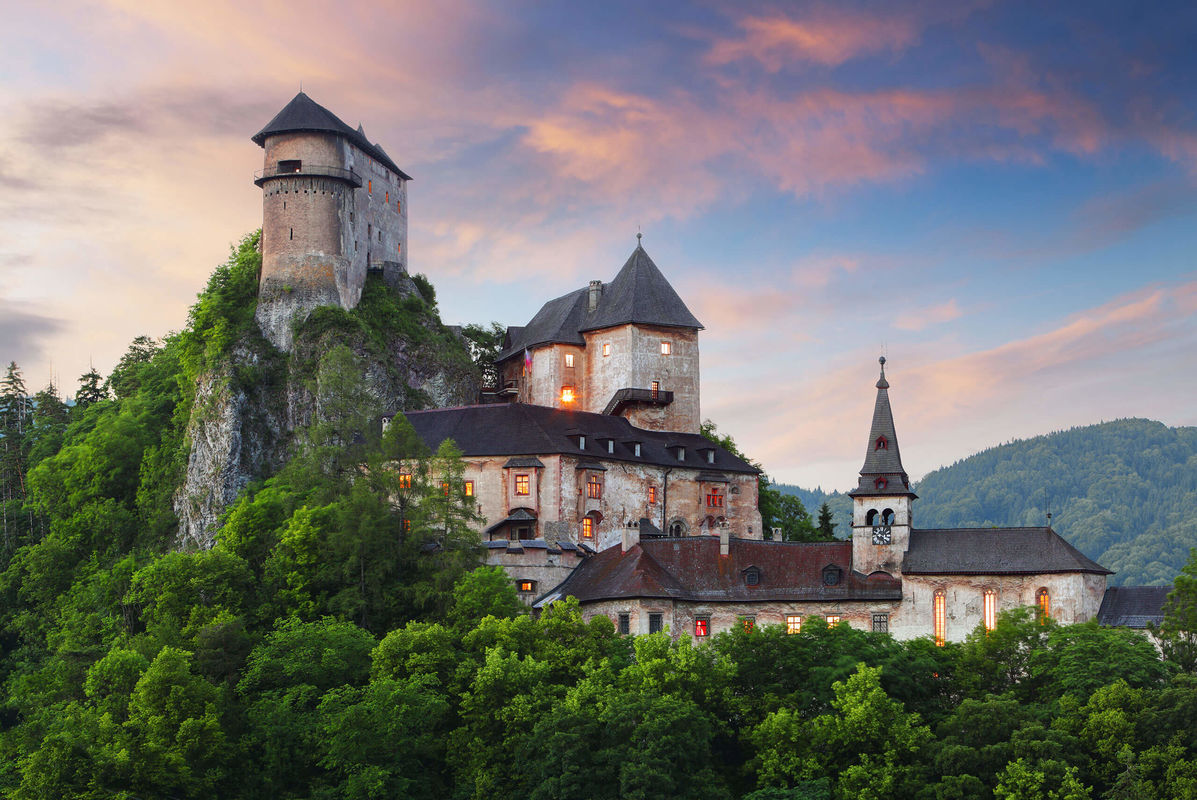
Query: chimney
column 631, row 536
column 596, row 291
column 777, row 534
column 724, row 541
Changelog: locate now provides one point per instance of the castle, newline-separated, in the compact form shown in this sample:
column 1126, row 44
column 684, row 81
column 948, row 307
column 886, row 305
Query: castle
column 590, row 471
column 334, row 207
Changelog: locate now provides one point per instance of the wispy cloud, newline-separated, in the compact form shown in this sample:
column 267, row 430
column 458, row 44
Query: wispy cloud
column 922, row 318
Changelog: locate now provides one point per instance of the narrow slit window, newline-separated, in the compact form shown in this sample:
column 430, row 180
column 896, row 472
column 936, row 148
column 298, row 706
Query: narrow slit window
column 655, row 388
column 652, row 495
column 606, row 349
column 989, row 601
column 1043, row 601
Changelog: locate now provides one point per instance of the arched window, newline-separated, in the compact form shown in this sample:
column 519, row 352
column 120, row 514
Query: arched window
column 871, row 517
column 887, row 517
column 1043, row 601
column 678, row 528
column 989, row 608
column 939, row 613
column 881, row 444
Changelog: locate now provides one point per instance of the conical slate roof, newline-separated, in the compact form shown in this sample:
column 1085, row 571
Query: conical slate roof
column 305, row 114
column 640, row 294
column 883, row 460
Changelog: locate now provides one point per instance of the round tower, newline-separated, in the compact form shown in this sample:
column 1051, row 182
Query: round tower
column 334, row 208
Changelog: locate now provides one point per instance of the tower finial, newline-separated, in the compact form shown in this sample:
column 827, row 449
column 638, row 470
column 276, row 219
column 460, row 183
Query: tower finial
column 639, row 235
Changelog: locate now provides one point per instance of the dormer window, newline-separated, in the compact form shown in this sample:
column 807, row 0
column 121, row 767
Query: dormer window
column 752, row 576
column 636, row 449
column 880, row 483
column 610, row 445
column 881, row 444
column 832, row 575
column 581, row 442
column 710, row 456
column 681, row 453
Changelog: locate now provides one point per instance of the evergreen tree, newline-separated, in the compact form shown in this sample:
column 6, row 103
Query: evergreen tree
column 14, row 418
column 91, row 389
column 825, row 525
column 1178, row 632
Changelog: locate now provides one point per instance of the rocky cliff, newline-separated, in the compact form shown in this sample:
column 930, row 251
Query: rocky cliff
column 250, row 406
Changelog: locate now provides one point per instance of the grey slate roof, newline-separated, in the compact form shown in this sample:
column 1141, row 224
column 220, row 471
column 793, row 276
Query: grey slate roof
column 1133, row 606
column 994, row 551
column 639, row 294
column 305, row 114
column 518, row 429
column 885, row 462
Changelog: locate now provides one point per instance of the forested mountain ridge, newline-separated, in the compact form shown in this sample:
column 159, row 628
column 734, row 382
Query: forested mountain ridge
column 1123, row 492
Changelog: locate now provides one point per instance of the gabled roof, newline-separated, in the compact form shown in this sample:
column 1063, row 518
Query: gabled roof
column 994, row 551
column 1133, row 606
column 692, row 569
column 305, row 114
column 639, row 294
column 882, row 457
column 518, row 429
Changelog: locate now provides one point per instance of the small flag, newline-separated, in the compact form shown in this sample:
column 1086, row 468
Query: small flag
column 527, row 361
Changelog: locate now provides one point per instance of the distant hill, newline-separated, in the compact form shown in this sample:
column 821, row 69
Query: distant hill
column 1123, row 492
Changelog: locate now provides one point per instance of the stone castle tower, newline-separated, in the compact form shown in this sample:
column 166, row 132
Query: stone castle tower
column 628, row 348
column 334, row 208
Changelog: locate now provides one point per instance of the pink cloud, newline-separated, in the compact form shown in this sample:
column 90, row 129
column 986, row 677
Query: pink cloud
column 829, row 38
column 922, row 318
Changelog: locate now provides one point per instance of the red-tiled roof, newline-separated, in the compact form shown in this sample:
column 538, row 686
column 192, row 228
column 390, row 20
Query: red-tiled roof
column 692, row 569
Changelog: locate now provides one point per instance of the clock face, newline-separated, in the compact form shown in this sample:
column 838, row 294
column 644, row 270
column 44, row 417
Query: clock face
column 881, row 534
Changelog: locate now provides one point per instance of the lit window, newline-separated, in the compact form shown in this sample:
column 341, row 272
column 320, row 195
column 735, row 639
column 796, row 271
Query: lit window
column 655, row 623
column 652, row 495
column 606, row 349
column 881, row 623
column 445, row 488
column 469, row 488
column 587, row 527
column 666, row 348
column 567, row 394
column 525, row 586
column 714, row 498
column 370, row 187
column 940, row 616
column 748, row 623
column 625, row 624
column 702, row 626
column 1043, row 600
column 989, row 600
column 594, row 488
column 833, row 619
column 407, row 526
column 521, row 485
column 399, row 248
column 655, row 387
column 398, row 206
column 793, row 623
column 405, row 480
column 388, row 197
column 569, row 359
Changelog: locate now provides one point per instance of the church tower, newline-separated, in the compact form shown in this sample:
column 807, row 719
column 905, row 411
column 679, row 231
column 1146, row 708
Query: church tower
column 881, row 502
column 334, row 208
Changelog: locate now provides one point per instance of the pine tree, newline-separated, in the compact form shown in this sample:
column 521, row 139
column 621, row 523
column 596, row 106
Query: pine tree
column 826, row 526
column 91, row 388
column 14, row 416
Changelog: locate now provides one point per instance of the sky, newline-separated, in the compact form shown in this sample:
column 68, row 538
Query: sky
column 1001, row 197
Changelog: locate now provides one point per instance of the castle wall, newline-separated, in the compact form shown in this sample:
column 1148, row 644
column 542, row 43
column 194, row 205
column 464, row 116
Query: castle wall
column 558, row 494
column 679, row 616
column 635, row 361
column 1074, row 597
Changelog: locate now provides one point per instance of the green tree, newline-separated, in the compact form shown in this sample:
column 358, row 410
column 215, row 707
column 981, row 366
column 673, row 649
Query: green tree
column 825, row 525
column 91, row 389
column 1178, row 631
column 483, row 592
column 485, row 342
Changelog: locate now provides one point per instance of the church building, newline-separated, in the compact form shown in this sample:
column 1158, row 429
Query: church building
column 890, row 577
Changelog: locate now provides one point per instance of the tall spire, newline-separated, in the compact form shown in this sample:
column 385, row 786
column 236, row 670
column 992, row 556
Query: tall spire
column 882, row 472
